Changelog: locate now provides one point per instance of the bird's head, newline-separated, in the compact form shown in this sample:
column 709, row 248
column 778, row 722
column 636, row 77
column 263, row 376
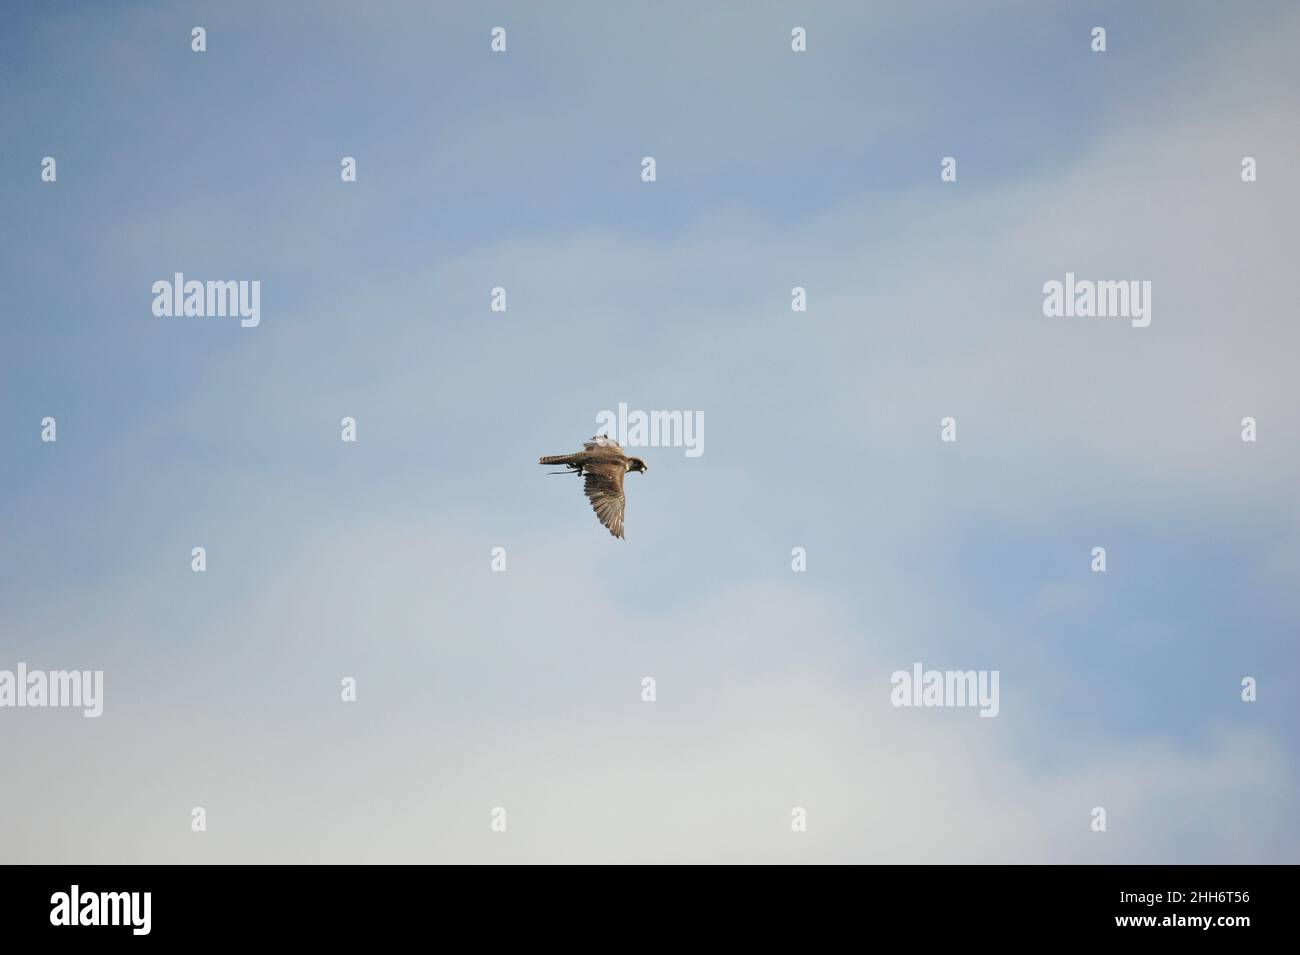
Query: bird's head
column 636, row 464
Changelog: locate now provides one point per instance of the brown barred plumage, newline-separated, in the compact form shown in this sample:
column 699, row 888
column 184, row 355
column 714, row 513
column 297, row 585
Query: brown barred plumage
column 603, row 464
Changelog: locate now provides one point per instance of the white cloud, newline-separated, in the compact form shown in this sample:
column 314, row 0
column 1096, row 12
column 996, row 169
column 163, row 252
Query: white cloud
column 522, row 690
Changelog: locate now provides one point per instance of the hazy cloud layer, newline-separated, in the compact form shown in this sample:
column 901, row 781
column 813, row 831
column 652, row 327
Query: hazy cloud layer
column 521, row 689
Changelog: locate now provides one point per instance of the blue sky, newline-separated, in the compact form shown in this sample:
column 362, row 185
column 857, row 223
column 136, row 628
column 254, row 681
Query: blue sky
column 521, row 689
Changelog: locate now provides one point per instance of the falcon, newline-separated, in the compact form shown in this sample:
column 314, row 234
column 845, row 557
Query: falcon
column 602, row 464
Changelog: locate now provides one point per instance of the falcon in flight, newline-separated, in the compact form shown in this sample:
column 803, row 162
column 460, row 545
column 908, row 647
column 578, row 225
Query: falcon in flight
column 602, row 463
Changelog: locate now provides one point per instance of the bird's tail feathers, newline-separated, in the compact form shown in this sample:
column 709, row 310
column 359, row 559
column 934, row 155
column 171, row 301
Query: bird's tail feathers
column 557, row 459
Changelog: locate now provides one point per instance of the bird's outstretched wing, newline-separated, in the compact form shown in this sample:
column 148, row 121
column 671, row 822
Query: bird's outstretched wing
column 601, row 441
column 604, row 488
